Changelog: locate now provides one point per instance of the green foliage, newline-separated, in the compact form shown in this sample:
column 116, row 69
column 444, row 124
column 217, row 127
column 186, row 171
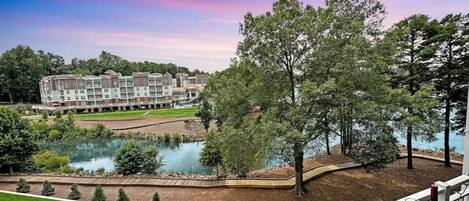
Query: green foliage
column 211, row 154
column 16, row 140
column 98, row 194
column 100, row 171
column 167, row 137
column 375, row 153
column 205, row 113
column 40, row 130
column 22, row 186
column 177, row 137
column 152, row 160
column 74, row 193
column 121, row 196
column 156, row 197
column 101, row 131
column 47, row 161
column 54, row 135
column 47, row 189
column 45, row 115
column 132, row 158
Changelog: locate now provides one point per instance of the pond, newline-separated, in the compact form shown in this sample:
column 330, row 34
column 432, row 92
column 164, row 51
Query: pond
column 184, row 157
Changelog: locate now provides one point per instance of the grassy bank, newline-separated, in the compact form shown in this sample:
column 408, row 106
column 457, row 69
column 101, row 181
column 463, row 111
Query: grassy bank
column 167, row 113
column 7, row 196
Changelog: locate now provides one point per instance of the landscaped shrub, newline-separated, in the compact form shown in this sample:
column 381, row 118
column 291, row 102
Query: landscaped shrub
column 132, row 158
column 48, row 161
column 74, row 193
column 22, row 186
column 156, row 197
column 98, row 194
column 45, row 115
column 152, row 160
column 121, row 196
column 47, row 189
column 100, row 171
column 101, row 131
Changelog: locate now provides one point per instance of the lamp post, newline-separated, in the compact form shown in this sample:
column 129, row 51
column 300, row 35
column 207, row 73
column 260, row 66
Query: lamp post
column 465, row 167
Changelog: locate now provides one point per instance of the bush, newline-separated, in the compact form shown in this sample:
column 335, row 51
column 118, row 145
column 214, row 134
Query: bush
column 40, row 130
column 54, row 135
column 100, row 171
column 151, row 160
column 167, row 138
column 47, row 189
column 132, row 158
column 58, row 114
column 22, row 186
column 48, row 161
column 177, row 137
column 45, row 115
column 101, row 131
column 121, row 196
column 376, row 152
column 156, row 197
column 98, row 194
column 74, row 193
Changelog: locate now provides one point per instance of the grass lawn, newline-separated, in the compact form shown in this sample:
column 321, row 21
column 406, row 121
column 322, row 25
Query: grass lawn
column 7, row 196
column 168, row 113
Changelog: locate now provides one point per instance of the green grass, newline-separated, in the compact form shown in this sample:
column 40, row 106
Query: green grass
column 111, row 115
column 7, row 196
column 168, row 113
column 175, row 113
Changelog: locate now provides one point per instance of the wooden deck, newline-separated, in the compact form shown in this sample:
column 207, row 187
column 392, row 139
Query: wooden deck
column 193, row 183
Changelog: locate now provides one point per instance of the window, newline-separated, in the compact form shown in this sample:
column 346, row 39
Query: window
column 106, row 96
column 68, row 98
column 145, row 94
column 68, row 92
column 105, row 90
column 82, row 91
column 83, row 98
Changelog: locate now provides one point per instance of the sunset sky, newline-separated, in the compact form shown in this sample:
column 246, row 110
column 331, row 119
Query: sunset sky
column 194, row 33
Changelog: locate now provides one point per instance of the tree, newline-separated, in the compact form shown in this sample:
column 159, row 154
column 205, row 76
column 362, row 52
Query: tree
column 47, row 189
column 211, row 154
column 22, row 186
column 16, row 141
column 74, row 193
column 412, row 37
column 132, row 158
column 281, row 48
column 450, row 75
column 205, row 113
column 98, row 194
column 156, row 197
column 152, row 160
column 122, row 196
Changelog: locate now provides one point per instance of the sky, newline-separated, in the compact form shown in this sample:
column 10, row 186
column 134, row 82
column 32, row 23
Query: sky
column 199, row 34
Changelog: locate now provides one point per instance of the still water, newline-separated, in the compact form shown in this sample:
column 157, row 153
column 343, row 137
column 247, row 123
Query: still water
column 184, row 157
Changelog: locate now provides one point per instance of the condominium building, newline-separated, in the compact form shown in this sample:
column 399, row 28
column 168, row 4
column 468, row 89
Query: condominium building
column 112, row 91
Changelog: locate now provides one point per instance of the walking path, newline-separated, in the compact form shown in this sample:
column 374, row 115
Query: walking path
column 153, row 124
column 288, row 182
column 168, row 182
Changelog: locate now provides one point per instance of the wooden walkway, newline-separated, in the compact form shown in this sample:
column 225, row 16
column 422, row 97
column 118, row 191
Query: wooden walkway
column 288, row 182
column 194, row 183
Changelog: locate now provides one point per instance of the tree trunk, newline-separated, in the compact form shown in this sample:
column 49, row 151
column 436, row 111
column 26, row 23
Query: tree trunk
column 409, row 148
column 11, row 169
column 447, row 129
column 326, row 122
column 298, row 155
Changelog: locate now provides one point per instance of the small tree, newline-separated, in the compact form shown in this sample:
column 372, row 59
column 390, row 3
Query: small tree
column 129, row 158
column 211, row 155
column 47, row 189
column 98, row 194
column 45, row 115
column 205, row 113
column 152, row 160
column 22, row 186
column 156, row 197
column 122, row 196
column 376, row 152
column 74, row 193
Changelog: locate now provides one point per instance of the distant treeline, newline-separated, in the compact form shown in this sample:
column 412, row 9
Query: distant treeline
column 21, row 68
